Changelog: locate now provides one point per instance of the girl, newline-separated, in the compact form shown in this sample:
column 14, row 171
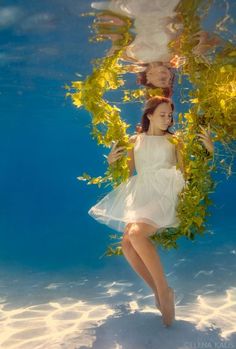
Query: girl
column 146, row 202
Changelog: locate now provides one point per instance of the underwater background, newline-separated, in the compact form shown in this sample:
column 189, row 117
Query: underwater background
column 56, row 289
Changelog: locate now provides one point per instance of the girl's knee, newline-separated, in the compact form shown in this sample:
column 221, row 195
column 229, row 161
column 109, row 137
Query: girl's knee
column 137, row 230
column 127, row 227
column 134, row 231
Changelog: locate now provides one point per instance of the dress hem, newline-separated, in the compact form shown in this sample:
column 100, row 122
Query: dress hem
column 125, row 222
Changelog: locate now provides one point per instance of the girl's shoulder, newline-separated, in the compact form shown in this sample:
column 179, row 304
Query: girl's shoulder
column 176, row 138
column 170, row 135
column 179, row 136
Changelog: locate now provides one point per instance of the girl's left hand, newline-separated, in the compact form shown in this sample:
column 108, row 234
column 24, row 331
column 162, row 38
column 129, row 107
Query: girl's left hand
column 205, row 137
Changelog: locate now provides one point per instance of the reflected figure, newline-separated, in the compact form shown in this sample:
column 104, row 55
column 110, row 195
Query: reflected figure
column 155, row 25
column 151, row 75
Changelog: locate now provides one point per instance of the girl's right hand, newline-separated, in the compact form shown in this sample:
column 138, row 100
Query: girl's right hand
column 115, row 153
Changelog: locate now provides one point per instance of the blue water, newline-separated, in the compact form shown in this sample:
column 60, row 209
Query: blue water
column 50, row 248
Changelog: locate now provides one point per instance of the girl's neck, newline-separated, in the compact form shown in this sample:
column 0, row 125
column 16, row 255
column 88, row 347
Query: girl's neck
column 156, row 133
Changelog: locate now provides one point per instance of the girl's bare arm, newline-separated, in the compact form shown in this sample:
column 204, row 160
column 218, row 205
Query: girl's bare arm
column 117, row 152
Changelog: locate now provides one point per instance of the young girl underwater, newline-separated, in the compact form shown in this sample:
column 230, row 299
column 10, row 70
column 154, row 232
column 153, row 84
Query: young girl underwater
column 146, row 202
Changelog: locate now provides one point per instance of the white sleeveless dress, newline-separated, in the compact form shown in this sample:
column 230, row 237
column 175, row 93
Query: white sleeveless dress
column 151, row 195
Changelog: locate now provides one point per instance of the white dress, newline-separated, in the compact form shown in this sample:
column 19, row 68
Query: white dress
column 149, row 196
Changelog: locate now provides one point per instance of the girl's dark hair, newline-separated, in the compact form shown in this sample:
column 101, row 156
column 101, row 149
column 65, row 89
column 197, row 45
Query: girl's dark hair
column 149, row 108
column 142, row 80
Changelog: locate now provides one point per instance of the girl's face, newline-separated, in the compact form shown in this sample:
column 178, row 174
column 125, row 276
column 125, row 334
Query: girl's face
column 162, row 117
column 158, row 76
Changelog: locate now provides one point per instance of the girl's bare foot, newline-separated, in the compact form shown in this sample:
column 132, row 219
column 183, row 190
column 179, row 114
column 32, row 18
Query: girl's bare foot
column 168, row 308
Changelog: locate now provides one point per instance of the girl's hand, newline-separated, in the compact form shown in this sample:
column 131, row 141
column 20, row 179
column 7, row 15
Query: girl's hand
column 115, row 153
column 205, row 137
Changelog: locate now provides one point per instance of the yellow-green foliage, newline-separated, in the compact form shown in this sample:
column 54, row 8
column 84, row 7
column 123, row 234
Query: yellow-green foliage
column 107, row 125
column 212, row 103
column 142, row 94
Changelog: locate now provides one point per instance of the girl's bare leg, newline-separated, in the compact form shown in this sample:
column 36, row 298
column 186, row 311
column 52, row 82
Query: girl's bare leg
column 138, row 235
column 138, row 265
